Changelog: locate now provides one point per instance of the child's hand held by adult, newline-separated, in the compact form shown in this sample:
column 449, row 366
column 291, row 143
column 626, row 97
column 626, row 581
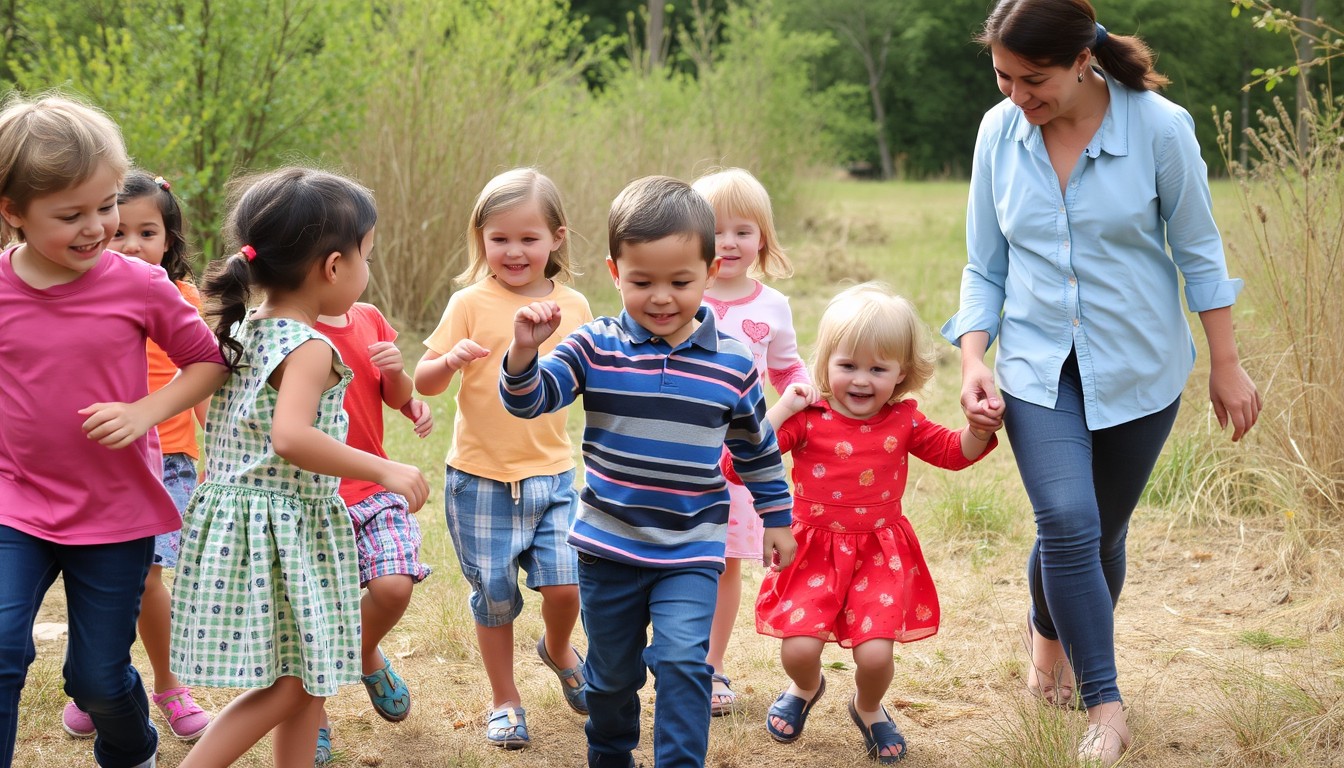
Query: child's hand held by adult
column 114, row 425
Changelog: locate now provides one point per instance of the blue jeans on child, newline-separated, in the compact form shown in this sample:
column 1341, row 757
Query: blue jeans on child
column 1083, row 486
column 619, row 602
column 103, row 584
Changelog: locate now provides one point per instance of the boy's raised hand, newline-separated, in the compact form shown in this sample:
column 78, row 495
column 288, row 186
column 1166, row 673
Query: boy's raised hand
column 386, row 358
column 535, row 323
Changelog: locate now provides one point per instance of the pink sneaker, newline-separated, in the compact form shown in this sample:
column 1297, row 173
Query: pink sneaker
column 77, row 722
column 185, row 718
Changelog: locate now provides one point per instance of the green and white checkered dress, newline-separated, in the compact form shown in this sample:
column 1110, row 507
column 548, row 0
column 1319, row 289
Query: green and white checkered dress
column 268, row 581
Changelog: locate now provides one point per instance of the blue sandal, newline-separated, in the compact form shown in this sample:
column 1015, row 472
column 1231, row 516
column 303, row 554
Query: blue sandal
column 793, row 711
column 323, row 756
column 507, row 728
column 576, row 696
column 388, row 692
column 879, row 737
column 721, row 704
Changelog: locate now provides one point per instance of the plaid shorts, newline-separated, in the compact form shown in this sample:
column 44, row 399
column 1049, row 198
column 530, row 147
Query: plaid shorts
column 388, row 538
column 179, row 477
column 499, row 527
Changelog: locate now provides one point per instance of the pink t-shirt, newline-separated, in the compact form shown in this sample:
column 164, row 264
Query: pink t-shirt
column 63, row 349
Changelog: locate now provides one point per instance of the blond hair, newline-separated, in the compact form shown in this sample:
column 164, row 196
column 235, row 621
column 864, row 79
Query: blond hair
column 50, row 145
column 504, row 192
column 735, row 192
column 870, row 316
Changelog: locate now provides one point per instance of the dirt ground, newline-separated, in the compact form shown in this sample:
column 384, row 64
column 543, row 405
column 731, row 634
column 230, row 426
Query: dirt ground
column 1191, row 631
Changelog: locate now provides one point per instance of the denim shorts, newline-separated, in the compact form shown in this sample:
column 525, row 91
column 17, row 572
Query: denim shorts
column 179, row 477
column 388, row 538
column 499, row 527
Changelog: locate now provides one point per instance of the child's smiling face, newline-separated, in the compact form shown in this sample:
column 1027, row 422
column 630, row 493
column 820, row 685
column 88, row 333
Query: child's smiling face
column 662, row 284
column 141, row 233
column 861, row 381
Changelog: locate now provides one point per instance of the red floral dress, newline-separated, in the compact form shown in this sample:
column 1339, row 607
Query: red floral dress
column 859, row 573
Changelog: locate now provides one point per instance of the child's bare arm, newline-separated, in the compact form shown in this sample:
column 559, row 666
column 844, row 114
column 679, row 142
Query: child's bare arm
column 302, row 378
column 435, row 372
column 117, row 425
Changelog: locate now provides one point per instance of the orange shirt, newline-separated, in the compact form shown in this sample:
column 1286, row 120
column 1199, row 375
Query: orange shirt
column 178, row 433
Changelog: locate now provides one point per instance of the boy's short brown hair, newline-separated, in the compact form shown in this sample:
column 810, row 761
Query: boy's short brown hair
column 655, row 207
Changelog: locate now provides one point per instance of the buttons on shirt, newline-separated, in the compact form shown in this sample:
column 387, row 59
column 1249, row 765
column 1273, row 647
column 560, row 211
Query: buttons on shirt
column 1073, row 281
column 1075, row 322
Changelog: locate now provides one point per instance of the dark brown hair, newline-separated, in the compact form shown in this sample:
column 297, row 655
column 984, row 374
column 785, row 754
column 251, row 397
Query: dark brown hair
column 140, row 184
column 1054, row 32
column 656, row 207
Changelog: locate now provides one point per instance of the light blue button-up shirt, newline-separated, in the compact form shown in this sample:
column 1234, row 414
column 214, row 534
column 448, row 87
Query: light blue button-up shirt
column 1088, row 269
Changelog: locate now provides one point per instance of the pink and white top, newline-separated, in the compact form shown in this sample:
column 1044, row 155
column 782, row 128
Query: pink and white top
column 762, row 320
column 65, row 348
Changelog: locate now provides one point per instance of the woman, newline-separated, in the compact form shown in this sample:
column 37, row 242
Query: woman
column 1082, row 179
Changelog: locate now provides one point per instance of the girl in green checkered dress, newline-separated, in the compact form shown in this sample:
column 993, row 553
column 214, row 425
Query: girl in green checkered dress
column 267, row 589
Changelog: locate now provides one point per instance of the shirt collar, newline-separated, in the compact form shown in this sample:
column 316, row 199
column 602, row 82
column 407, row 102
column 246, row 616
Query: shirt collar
column 705, row 336
column 1113, row 135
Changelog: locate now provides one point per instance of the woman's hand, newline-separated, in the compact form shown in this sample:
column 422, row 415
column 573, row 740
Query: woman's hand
column 980, row 399
column 1234, row 398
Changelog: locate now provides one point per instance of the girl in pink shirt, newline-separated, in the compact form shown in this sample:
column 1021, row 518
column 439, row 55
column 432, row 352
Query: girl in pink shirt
column 80, row 488
column 757, row 315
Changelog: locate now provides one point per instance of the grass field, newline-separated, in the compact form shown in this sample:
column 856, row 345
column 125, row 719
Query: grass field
column 1224, row 659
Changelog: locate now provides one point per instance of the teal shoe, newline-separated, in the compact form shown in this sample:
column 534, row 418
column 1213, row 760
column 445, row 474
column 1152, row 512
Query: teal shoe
column 323, row 756
column 388, row 693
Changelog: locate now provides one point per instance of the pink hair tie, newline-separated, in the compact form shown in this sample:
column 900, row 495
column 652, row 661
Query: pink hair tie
column 248, row 252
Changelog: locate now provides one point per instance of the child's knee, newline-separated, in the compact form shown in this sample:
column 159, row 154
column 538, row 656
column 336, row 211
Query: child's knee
column 561, row 597
column 392, row 591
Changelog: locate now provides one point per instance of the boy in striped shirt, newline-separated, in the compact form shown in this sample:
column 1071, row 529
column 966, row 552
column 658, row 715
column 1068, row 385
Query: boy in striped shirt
column 663, row 392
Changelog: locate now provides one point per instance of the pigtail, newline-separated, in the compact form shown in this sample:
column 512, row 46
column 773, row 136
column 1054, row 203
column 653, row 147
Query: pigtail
column 227, row 291
column 1129, row 60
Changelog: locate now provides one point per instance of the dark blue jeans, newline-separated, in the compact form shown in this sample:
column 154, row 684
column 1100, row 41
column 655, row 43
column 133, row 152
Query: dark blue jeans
column 619, row 603
column 1083, row 485
column 103, row 584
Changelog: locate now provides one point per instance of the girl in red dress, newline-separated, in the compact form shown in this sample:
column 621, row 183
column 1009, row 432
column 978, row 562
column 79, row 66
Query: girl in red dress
column 859, row 578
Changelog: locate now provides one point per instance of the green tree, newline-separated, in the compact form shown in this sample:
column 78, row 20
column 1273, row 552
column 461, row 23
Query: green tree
column 203, row 88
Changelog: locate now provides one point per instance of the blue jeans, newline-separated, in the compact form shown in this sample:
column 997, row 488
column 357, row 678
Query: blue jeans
column 1083, row 486
column 619, row 603
column 103, row 584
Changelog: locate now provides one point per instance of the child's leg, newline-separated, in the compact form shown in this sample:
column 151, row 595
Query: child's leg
column 28, row 567
column 154, row 627
column 801, row 659
column 681, row 608
column 614, row 599
column 103, row 584
column 256, row 713
column 496, row 644
column 873, row 670
column 725, row 616
column 381, row 608
column 559, row 613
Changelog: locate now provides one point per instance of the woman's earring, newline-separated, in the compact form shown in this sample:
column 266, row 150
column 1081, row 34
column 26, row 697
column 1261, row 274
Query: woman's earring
column 1080, row 75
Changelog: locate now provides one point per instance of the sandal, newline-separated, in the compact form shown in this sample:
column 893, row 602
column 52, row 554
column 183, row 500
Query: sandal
column 1056, row 693
column 720, row 702
column 507, row 728
column 323, row 755
column 879, row 736
column 793, row 711
column 576, row 696
column 388, row 693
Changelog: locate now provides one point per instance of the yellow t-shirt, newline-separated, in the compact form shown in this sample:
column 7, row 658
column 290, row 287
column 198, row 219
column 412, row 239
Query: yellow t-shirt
column 488, row 441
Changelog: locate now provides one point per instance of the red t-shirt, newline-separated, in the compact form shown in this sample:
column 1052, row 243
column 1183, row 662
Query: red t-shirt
column 364, row 397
